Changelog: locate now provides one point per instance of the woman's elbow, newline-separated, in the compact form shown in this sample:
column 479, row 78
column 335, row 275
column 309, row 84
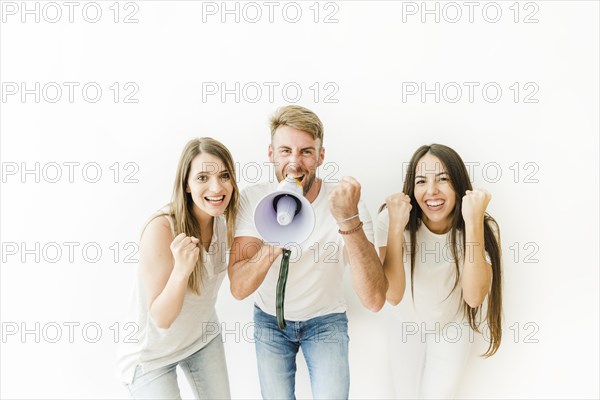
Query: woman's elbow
column 474, row 301
column 394, row 301
column 375, row 303
column 164, row 325
column 161, row 323
column 394, row 297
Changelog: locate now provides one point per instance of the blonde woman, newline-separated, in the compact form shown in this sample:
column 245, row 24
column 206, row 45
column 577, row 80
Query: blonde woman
column 182, row 265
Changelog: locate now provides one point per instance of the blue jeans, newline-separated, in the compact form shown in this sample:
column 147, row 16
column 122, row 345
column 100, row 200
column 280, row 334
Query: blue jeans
column 324, row 343
column 206, row 372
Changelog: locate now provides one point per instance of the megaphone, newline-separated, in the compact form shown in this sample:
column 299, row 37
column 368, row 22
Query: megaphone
column 285, row 216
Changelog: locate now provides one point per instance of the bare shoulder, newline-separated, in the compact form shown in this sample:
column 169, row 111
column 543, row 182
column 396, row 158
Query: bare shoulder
column 156, row 258
column 157, row 232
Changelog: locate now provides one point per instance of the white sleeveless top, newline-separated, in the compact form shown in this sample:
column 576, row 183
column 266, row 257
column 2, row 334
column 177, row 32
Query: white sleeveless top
column 195, row 326
column 435, row 298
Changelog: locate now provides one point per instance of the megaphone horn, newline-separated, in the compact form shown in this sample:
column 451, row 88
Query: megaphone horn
column 285, row 216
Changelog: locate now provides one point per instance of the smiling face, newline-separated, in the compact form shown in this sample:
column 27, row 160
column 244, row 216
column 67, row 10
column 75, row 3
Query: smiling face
column 434, row 193
column 297, row 154
column 210, row 186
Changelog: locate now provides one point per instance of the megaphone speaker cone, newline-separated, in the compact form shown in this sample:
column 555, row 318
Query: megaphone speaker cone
column 284, row 217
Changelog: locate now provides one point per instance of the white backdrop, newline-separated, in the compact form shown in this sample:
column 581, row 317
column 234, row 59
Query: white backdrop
column 98, row 99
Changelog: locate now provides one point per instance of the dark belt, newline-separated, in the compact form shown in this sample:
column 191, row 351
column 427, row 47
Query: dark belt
column 280, row 294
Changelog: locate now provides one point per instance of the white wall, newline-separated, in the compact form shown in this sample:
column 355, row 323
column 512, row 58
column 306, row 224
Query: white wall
column 547, row 204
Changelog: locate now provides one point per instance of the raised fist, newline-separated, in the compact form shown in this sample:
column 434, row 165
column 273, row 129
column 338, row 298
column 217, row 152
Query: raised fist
column 185, row 252
column 343, row 199
column 399, row 208
column 474, row 204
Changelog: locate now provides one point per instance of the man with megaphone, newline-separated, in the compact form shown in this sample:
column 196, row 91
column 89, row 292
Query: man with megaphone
column 293, row 240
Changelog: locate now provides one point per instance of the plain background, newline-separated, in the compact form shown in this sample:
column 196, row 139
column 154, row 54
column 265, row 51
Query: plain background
column 538, row 159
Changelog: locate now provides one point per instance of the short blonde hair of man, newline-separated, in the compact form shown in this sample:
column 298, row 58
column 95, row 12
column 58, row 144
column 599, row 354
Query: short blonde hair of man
column 297, row 117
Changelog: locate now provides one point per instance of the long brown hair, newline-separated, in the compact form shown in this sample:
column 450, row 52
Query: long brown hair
column 459, row 179
column 180, row 209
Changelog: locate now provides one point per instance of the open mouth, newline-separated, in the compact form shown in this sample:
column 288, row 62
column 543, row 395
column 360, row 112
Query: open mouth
column 434, row 205
column 215, row 200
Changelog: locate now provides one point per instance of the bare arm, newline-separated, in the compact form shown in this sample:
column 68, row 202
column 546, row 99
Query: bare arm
column 392, row 255
column 164, row 282
column 368, row 278
column 477, row 273
column 249, row 262
column 476, row 277
column 393, row 266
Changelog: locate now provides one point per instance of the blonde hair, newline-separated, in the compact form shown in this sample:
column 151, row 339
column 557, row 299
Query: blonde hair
column 180, row 209
column 300, row 118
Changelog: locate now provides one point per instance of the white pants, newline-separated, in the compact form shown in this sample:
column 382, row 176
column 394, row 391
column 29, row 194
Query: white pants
column 427, row 360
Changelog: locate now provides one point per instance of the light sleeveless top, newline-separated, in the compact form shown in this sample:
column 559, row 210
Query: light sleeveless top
column 435, row 299
column 196, row 325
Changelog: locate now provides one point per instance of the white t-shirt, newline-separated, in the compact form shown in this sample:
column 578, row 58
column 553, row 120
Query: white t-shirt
column 196, row 325
column 315, row 279
column 435, row 274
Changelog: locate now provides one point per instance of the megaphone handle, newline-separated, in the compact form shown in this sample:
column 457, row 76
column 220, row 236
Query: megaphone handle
column 280, row 293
